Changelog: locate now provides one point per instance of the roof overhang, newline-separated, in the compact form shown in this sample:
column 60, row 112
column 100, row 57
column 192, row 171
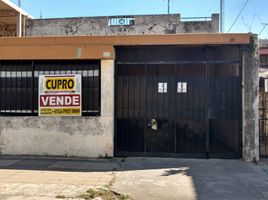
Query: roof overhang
column 9, row 12
column 96, row 47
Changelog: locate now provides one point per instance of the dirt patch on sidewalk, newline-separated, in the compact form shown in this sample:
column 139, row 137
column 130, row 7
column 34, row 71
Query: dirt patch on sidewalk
column 103, row 194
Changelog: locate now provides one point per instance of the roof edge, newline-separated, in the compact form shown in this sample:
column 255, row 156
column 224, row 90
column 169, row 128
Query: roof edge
column 15, row 7
column 152, row 39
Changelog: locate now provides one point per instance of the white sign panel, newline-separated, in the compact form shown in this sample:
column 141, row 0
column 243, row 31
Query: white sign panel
column 162, row 87
column 182, row 87
column 60, row 95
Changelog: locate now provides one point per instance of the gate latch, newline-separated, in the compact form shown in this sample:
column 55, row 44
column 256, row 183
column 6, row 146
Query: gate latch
column 154, row 124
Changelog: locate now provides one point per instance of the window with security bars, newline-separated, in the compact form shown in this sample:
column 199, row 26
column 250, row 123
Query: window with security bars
column 19, row 84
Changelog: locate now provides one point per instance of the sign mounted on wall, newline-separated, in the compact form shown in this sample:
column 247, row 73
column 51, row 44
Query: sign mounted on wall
column 182, row 87
column 60, row 95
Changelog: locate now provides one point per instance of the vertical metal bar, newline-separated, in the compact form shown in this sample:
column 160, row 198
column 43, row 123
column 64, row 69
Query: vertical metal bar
column 188, row 109
column 241, row 98
column 47, row 65
column 139, row 96
column 182, row 110
column 139, row 116
column 1, row 87
column 181, row 96
column 207, row 104
column 174, row 118
column 134, row 96
column 6, row 79
column 32, row 89
column 128, row 118
column 99, row 88
column 17, row 65
column 131, row 110
column 93, row 86
column 229, row 107
column 123, row 99
column 151, row 83
column 122, row 79
column 162, row 97
column 155, row 78
column 25, row 87
column 145, row 108
column 89, row 78
column 11, row 89
column 169, row 91
column 21, row 88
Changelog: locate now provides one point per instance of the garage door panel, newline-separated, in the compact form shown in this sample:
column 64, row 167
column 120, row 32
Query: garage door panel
column 178, row 100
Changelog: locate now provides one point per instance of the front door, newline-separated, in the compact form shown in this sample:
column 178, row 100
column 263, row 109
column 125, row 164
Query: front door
column 160, row 131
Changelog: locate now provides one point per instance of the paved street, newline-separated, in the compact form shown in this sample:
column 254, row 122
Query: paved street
column 141, row 178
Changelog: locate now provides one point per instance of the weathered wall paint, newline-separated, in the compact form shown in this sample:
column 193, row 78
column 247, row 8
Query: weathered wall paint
column 144, row 24
column 64, row 136
column 251, row 101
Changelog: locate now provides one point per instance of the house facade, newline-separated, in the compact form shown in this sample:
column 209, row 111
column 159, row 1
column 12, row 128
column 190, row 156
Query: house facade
column 147, row 88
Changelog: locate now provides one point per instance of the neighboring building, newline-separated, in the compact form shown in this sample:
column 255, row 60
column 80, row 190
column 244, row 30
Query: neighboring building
column 16, row 22
column 122, row 25
column 12, row 19
column 264, row 54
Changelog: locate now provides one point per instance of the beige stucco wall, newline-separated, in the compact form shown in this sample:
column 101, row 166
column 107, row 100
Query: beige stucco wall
column 64, row 136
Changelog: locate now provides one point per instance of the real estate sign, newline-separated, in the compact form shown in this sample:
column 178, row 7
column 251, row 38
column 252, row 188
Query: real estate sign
column 60, row 95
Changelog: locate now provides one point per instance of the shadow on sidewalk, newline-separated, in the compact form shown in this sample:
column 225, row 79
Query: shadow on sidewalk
column 58, row 164
column 203, row 179
column 117, row 164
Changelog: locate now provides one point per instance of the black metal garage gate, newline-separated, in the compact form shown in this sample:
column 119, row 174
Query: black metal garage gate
column 178, row 101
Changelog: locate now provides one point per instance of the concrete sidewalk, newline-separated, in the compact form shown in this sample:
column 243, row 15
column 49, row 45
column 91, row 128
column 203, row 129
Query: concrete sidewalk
column 141, row 178
column 46, row 179
column 160, row 179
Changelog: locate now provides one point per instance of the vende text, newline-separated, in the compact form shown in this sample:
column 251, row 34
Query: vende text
column 59, row 100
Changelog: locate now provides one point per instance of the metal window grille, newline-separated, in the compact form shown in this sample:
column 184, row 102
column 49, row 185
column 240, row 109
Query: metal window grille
column 19, row 84
column 121, row 21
